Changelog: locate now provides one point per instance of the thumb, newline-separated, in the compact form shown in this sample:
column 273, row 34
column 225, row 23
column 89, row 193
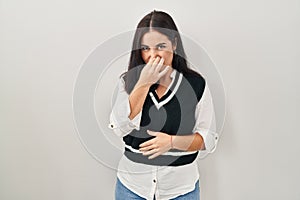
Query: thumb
column 151, row 133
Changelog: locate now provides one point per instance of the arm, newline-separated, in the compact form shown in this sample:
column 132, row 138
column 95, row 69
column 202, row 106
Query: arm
column 149, row 75
column 206, row 123
column 164, row 142
column 120, row 123
column 127, row 110
column 137, row 98
column 193, row 142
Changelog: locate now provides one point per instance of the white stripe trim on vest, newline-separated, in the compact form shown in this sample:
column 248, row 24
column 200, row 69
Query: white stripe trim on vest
column 154, row 100
column 166, row 153
column 160, row 104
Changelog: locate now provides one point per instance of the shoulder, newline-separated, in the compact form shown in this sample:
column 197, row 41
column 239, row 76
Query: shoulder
column 123, row 77
column 121, row 84
column 129, row 80
column 197, row 82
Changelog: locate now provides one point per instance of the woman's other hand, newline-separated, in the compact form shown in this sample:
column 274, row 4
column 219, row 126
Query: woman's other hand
column 156, row 146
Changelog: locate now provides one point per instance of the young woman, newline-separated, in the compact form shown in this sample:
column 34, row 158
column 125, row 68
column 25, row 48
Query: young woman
column 164, row 113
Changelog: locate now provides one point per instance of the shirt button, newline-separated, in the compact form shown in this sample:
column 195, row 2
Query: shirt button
column 111, row 125
column 154, row 181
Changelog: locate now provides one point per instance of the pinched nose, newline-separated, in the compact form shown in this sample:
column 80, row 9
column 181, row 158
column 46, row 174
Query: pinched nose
column 152, row 54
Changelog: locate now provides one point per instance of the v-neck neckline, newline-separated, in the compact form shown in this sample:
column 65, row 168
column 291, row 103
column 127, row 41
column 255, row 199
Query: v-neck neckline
column 171, row 90
column 166, row 93
column 173, row 77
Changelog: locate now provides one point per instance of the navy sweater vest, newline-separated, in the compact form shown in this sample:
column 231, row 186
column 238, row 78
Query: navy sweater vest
column 174, row 114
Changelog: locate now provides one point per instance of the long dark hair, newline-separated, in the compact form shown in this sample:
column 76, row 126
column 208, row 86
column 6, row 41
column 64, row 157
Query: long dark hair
column 163, row 23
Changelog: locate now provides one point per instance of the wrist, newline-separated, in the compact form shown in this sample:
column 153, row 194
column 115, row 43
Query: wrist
column 142, row 85
column 171, row 141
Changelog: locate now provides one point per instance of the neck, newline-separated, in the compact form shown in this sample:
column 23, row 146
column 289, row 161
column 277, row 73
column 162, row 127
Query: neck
column 166, row 79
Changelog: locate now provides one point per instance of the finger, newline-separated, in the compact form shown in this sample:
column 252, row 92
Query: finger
column 163, row 72
column 160, row 64
column 150, row 152
column 154, row 155
column 147, row 143
column 152, row 133
column 156, row 61
column 149, row 147
column 151, row 60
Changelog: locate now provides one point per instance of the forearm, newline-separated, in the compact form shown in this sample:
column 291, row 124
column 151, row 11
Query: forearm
column 137, row 99
column 192, row 142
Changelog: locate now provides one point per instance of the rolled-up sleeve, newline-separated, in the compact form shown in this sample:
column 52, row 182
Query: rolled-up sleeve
column 119, row 121
column 206, row 123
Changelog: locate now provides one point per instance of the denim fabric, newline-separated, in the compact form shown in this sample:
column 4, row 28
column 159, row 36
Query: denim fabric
column 123, row 193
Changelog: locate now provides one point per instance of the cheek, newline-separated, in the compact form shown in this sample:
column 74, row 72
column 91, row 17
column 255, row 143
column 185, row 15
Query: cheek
column 168, row 58
column 144, row 56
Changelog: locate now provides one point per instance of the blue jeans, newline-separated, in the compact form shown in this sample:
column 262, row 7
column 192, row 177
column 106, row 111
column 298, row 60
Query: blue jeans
column 123, row 193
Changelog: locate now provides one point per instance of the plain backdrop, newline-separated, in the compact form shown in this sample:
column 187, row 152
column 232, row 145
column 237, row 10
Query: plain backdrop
column 254, row 44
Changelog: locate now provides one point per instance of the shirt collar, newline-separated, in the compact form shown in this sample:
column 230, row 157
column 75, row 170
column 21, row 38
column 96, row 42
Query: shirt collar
column 172, row 75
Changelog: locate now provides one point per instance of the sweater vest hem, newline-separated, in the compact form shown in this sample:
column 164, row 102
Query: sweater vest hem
column 161, row 160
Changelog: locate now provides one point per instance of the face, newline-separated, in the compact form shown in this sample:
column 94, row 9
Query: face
column 155, row 44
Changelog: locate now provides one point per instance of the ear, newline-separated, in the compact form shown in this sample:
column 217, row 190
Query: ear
column 175, row 44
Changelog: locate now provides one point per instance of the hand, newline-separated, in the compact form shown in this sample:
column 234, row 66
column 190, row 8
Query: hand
column 151, row 72
column 156, row 146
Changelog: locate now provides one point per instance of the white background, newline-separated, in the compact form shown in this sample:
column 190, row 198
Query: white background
column 255, row 45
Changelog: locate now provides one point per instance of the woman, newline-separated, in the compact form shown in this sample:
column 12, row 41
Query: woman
column 164, row 114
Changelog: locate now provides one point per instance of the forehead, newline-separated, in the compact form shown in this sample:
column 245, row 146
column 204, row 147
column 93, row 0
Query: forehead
column 154, row 37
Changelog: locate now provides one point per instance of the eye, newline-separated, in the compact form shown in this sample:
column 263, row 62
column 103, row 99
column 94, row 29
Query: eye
column 160, row 47
column 144, row 48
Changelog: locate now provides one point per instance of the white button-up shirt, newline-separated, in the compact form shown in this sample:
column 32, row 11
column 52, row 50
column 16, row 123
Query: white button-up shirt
column 165, row 182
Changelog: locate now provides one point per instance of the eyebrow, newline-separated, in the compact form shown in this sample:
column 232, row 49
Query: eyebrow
column 155, row 45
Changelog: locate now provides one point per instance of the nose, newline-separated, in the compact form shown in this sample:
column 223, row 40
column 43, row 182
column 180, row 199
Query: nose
column 152, row 53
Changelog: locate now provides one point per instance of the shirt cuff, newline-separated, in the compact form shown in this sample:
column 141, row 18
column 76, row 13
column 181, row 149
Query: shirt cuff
column 120, row 122
column 135, row 122
column 210, row 139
